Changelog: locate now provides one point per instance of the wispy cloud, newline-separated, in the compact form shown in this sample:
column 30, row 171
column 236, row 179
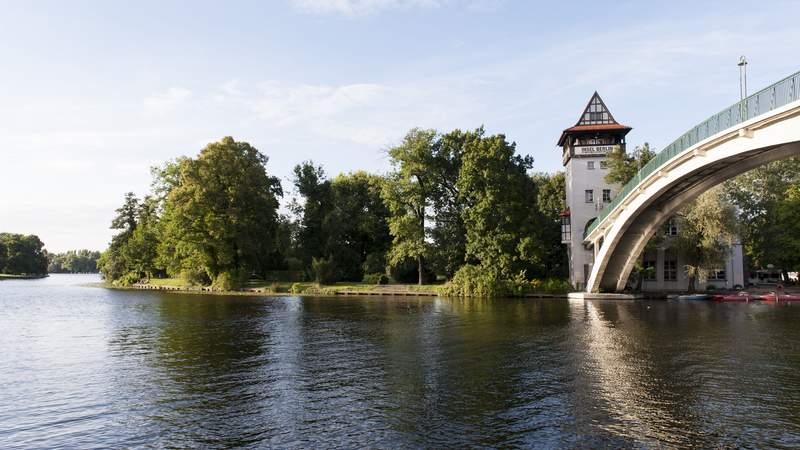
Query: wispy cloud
column 163, row 103
column 364, row 113
column 354, row 8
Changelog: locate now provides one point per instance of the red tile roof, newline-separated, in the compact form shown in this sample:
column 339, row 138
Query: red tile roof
column 590, row 128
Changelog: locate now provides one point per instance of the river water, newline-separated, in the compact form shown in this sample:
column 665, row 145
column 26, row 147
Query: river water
column 86, row 367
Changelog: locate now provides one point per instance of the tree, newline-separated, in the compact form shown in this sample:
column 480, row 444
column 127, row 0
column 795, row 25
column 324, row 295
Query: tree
column 448, row 233
column 408, row 192
column 113, row 263
column 705, row 234
column 358, row 230
column 311, row 184
column 761, row 197
column 22, row 254
column 551, row 203
column 504, row 227
column 73, row 261
column 623, row 166
column 222, row 214
column 787, row 219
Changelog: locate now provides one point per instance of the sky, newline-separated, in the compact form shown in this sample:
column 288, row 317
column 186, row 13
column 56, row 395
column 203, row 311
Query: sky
column 94, row 93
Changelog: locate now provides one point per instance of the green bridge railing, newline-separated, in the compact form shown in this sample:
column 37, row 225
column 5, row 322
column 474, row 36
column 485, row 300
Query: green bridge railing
column 779, row 94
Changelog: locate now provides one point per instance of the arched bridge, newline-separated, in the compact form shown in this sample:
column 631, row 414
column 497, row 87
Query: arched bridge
column 762, row 128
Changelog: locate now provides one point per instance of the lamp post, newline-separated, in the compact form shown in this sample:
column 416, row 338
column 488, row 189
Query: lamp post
column 742, row 85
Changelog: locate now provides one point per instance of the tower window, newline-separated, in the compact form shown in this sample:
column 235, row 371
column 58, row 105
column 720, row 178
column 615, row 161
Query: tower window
column 566, row 229
column 606, row 195
column 590, row 165
column 589, row 196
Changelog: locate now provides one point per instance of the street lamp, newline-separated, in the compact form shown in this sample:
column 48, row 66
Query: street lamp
column 742, row 87
column 742, row 77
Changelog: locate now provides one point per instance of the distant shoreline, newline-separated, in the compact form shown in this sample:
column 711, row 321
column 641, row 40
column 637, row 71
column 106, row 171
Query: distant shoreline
column 309, row 290
column 6, row 276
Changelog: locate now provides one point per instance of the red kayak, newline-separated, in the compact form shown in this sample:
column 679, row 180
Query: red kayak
column 771, row 297
column 740, row 297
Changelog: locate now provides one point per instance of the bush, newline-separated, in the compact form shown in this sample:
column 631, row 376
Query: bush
column 229, row 280
column 127, row 279
column 324, row 270
column 197, row 277
column 475, row 281
column 376, row 278
column 555, row 286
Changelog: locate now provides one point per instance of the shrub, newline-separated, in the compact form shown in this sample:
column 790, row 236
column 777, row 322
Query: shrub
column 127, row 279
column 228, row 280
column 324, row 270
column 375, row 278
column 475, row 281
column 555, row 286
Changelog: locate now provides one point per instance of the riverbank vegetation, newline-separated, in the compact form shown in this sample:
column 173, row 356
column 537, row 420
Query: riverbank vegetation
column 73, row 261
column 22, row 255
column 461, row 201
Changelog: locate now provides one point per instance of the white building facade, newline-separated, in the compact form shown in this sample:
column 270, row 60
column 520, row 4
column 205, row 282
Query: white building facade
column 585, row 147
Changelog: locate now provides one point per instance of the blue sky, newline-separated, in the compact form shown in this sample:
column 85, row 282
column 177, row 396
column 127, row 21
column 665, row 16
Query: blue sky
column 94, row 93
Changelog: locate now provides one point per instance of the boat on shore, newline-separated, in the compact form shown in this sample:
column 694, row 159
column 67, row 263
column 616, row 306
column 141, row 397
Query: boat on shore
column 773, row 297
column 740, row 297
column 694, row 297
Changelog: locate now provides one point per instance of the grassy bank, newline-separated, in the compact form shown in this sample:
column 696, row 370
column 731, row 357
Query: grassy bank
column 5, row 276
column 296, row 288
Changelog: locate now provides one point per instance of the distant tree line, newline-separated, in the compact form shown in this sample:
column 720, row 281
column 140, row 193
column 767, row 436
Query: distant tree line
column 452, row 201
column 22, row 255
column 73, row 261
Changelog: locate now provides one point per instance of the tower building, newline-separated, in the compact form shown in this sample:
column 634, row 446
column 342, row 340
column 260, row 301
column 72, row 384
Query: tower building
column 584, row 150
column 585, row 147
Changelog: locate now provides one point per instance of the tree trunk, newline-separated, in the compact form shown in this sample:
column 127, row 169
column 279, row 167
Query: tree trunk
column 691, row 288
column 419, row 258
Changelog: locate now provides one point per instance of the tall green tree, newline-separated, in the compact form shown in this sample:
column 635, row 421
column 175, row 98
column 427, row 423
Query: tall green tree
column 23, row 254
column 550, row 203
column 760, row 197
column 623, row 166
column 448, row 232
column 504, row 227
column 787, row 219
column 112, row 263
column 408, row 192
column 706, row 230
column 315, row 189
column 358, row 226
column 222, row 214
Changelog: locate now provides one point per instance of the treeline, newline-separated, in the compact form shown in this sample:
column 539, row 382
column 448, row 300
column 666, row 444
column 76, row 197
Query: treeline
column 767, row 201
column 73, row 261
column 22, row 255
column 460, row 201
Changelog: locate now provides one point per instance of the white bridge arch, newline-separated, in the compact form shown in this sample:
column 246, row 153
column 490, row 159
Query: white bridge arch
column 763, row 128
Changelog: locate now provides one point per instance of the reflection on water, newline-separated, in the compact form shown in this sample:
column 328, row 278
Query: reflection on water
column 88, row 367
